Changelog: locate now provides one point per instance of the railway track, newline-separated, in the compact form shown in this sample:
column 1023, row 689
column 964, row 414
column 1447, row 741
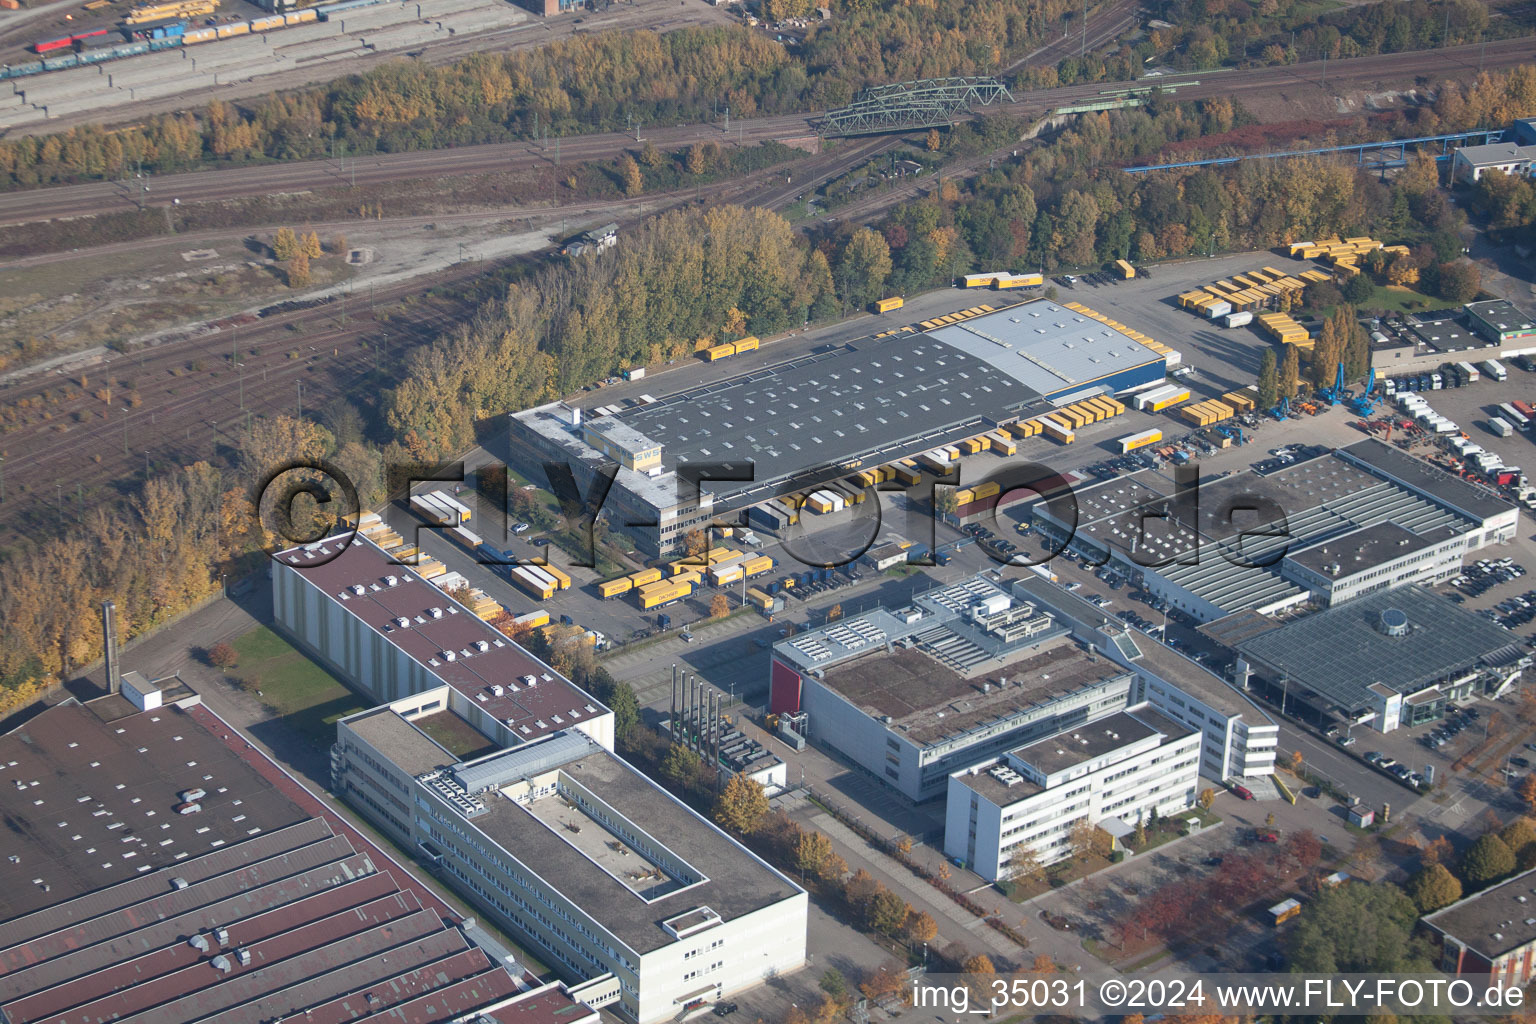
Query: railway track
column 206, row 186
column 189, row 415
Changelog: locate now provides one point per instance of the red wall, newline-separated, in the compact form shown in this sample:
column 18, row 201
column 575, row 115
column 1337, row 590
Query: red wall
column 783, row 689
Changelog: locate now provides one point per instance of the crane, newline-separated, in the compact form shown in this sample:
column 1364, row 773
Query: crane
column 1335, row 394
column 1367, row 400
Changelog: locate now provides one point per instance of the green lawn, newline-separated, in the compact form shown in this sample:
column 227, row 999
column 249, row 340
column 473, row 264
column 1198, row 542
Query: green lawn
column 297, row 691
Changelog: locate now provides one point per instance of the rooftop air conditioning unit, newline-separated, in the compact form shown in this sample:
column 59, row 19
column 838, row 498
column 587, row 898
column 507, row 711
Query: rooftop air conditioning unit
column 482, row 645
column 402, row 622
column 448, row 656
column 390, row 581
column 436, row 613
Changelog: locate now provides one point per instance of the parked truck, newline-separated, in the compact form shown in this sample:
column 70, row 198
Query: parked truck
column 1495, row 369
column 1238, row 319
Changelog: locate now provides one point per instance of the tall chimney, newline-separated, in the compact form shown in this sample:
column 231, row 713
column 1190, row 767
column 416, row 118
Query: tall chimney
column 109, row 643
column 672, row 722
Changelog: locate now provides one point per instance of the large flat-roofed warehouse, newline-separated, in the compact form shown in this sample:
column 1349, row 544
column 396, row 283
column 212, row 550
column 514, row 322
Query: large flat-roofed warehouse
column 161, row 870
column 1363, row 518
column 804, row 422
column 1392, row 658
column 628, row 891
column 390, row 633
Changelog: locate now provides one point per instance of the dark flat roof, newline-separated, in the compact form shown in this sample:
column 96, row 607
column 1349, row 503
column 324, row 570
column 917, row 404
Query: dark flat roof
column 314, row 926
column 1340, row 651
column 1494, row 921
column 830, row 407
column 335, row 568
column 737, row 883
column 1072, row 747
column 928, row 700
column 1501, row 315
column 1359, row 550
column 1386, row 461
column 89, row 785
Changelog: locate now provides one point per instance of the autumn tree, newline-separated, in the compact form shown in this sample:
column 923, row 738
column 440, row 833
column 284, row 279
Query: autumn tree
column 1438, row 851
column 222, row 655
column 1488, row 860
column 719, row 606
column 741, row 806
column 1080, row 837
column 1433, row 887
column 680, row 766
column 863, row 267
column 1207, row 798
column 812, row 851
column 298, row 270
column 284, row 245
column 1520, row 836
column 921, row 927
column 935, row 142
column 1269, row 380
column 1460, row 281
column 697, row 160
column 650, row 155
column 979, row 972
column 1024, row 863
column 629, row 174
column 1290, row 371
column 695, row 543
column 311, row 246
column 340, row 246
column 1526, row 790
column 1043, row 964
column 888, row 913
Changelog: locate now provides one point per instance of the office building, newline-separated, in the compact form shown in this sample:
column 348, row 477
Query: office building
column 390, row 634
column 636, row 900
column 1111, row 773
column 1489, row 938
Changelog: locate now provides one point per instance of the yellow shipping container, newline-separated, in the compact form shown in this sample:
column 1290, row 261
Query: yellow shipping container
column 664, row 594
column 759, row 564
column 613, row 588
column 238, row 28
column 1003, row 444
column 561, row 579
column 717, row 352
column 644, row 577
column 1057, row 431
column 747, row 344
column 887, row 305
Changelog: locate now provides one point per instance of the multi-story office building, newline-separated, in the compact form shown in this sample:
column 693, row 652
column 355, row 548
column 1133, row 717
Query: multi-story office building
column 1111, row 774
column 623, row 888
column 390, row 633
column 1490, row 936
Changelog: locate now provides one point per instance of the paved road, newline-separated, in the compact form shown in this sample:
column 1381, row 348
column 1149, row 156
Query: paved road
column 106, row 197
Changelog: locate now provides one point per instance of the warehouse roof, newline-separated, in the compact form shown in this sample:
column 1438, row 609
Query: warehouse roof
column 429, row 626
column 1494, row 921
column 1046, row 346
column 1383, row 460
column 1501, row 314
column 268, row 907
column 1340, row 651
column 830, row 407
column 407, row 746
column 1359, row 550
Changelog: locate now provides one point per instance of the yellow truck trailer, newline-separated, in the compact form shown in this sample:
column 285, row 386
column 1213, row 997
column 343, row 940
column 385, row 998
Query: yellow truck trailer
column 657, row 594
column 895, row 302
column 1126, row 270
column 613, row 588
column 748, row 344
column 644, row 577
column 561, row 579
column 1019, row 281
column 1057, row 429
column 717, row 352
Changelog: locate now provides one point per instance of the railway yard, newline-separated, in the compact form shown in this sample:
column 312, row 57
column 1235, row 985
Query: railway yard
column 251, row 54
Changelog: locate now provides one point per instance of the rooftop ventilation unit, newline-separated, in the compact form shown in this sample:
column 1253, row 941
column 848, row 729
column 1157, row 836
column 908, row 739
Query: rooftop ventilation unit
column 391, row 581
column 359, row 590
column 531, row 680
column 497, row 690
column 436, row 613
column 402, row 622
column 448, row 656
column 199, row 942
column 482, row 646
column 221, row 963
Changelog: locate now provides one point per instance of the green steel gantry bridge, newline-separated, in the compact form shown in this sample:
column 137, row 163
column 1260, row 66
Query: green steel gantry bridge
column 904, row 106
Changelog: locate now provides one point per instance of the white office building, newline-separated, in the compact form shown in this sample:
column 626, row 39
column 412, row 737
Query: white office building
column 642, row 904
column 1112, row 773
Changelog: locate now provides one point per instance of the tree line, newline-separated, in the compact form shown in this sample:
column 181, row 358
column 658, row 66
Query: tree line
column 1199, row 34
column 599, row 82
